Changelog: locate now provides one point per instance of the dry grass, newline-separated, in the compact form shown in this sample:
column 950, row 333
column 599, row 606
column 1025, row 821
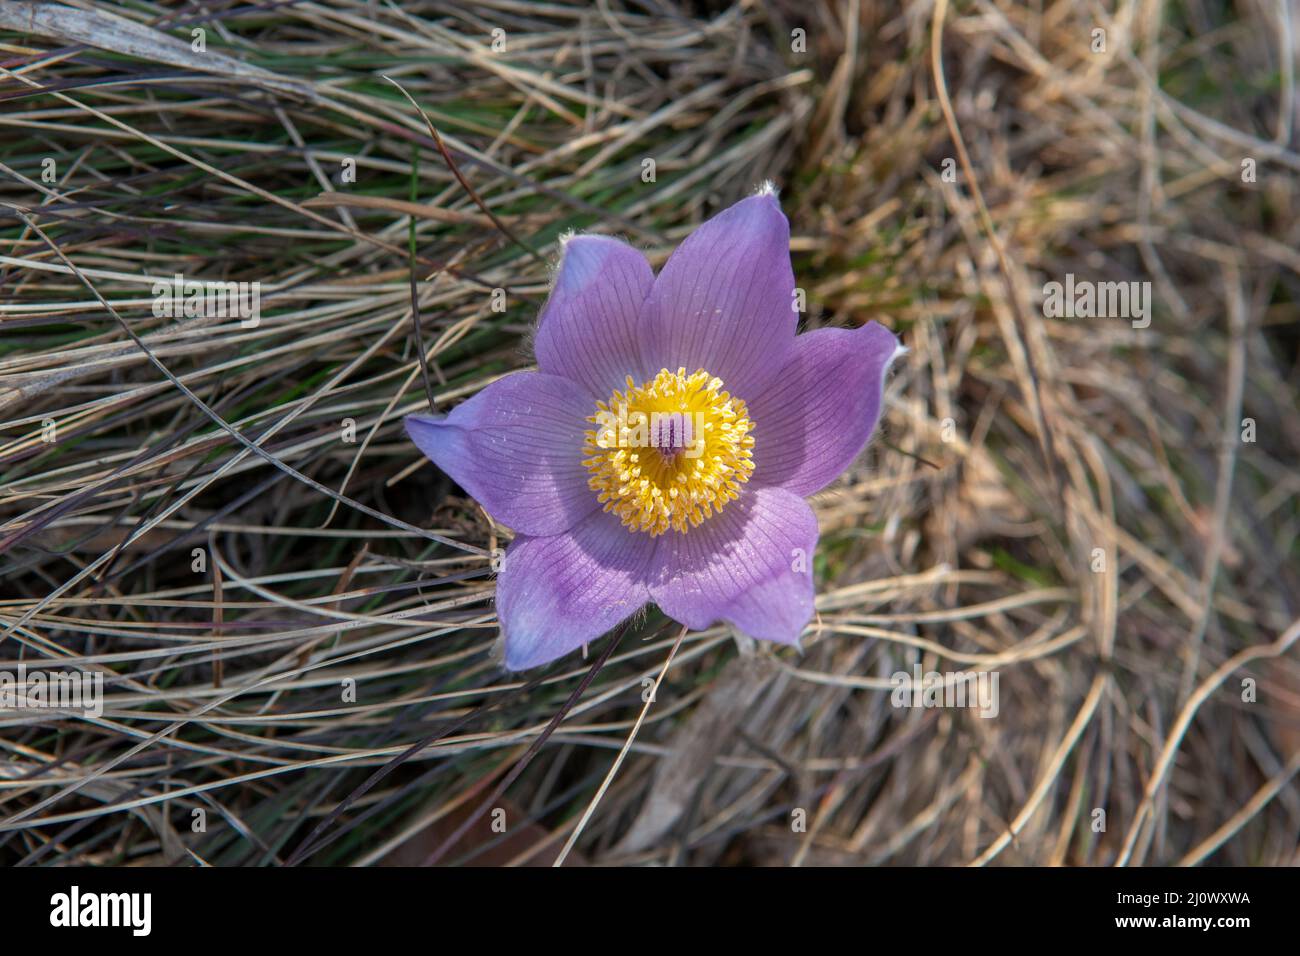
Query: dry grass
column 1014, row 446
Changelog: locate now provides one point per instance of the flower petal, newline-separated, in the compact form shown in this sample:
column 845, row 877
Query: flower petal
column 517, row 447
column 814, row 418
column 724, row 301
column 749, row 565
column 559, row 592
column 588, row 328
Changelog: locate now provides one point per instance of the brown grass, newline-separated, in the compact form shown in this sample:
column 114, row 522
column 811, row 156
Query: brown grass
column 1066, row 502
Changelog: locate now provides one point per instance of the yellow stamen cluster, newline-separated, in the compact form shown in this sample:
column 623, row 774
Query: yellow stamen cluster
column 670, row 452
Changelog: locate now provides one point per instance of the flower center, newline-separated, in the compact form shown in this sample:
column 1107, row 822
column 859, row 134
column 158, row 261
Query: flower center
column 670, row 452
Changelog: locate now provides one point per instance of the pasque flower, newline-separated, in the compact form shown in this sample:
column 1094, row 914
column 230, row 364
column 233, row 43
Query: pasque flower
column 663, row 448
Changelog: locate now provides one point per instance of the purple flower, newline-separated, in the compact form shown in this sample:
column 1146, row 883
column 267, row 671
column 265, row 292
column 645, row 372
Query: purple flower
column 663, row 449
